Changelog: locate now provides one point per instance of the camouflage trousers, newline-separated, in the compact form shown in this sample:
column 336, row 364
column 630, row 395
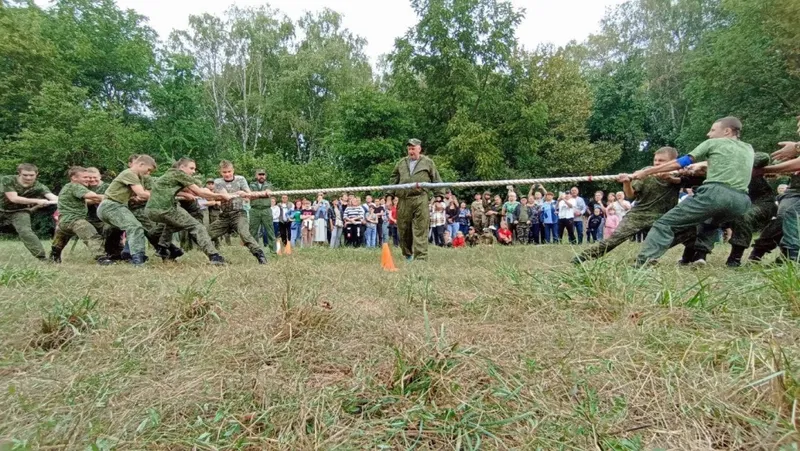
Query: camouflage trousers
column 479, row 222
column 84, row 230
column 633, row 223
column 234, row 221
column 523, row 231
column 756, row 218
column 120, row 219
column 21, row 222
column 262, row 218
column 176, row 219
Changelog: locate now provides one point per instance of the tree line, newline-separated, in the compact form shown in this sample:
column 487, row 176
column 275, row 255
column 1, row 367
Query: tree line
column 84, row 82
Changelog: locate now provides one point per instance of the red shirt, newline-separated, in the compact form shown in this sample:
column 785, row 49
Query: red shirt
column 504, row 233
column 393, row 217
column 459, row 241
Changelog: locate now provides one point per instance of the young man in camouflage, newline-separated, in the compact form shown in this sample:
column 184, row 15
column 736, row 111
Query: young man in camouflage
column 114, row 210
column 261, row 211
column 654, row 196
column 722, row 198
column 232, row 217
column 413, row 216
column 97, row 186
column 21, row 195
column 73, row 217
column 163, row 208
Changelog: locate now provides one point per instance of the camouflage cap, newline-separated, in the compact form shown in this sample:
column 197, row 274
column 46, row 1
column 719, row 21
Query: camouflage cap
column 760, row 160
column 210, row 180
column 413, row 142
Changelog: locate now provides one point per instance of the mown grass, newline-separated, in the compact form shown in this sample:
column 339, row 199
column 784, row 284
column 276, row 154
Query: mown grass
column 491, row 348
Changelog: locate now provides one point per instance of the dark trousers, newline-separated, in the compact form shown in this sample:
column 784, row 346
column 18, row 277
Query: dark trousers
column 285, row 231
column 438, row 235
column 578, row 222
column 550, row 233
column 353, row 235
column 393, row 234
column 568, row 224
column 535, row 233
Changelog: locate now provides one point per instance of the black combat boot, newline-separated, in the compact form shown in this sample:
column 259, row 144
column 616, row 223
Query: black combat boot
column 735, row 258
column 138, row 259
column 216, row 259
column 259, row 255
column 174, row 252
column 757, row 254
column 55, row 254
column 104, row 260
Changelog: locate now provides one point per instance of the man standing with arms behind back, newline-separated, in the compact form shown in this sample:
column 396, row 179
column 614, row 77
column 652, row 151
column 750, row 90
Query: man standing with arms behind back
column 413, row 217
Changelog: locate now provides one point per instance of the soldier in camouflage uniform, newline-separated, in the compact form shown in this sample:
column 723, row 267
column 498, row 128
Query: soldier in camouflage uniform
column 761, row 211
column 73, row 218
column 232, row 217
column 261, row 211
column 487, row 237
column 117, row 216
column 97, row 186
column 478, row 218
column 21, row 195
column 163, row 209
column 789, row 202
column 654, row 197
column 413, row 216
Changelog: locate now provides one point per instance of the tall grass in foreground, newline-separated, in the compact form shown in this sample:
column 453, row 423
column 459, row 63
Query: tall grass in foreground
column 488, row 348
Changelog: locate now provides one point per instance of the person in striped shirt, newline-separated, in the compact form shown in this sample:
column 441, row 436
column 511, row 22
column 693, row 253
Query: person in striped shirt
column 353, row 220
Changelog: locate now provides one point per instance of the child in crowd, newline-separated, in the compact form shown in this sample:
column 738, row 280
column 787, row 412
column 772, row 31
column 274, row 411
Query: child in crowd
column 594, row 230
column 472, row 238
column 459, row 241
column 487, row 237
column 307, row 218
column 524, row 223
column 612, row 221
column 535, row 232
column 448, row 241
column 464, row 216
column 504, row 235
column 511, row 212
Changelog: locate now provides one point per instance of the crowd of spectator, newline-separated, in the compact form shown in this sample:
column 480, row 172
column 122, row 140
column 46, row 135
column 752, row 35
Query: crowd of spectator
column 540, row 217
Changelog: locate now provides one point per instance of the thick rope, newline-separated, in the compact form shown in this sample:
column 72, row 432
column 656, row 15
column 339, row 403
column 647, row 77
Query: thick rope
column 410, row 186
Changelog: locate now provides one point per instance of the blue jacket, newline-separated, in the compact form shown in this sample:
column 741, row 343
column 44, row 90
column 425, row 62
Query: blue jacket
column 549, row 213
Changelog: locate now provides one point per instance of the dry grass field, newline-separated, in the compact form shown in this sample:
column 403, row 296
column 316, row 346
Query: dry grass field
column 491, row 348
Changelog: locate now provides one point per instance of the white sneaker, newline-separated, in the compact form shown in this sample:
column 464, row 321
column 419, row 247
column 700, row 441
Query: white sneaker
column 700, row 262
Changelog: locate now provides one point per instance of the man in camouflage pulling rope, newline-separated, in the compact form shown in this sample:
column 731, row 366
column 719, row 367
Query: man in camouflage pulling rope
column 413, row 217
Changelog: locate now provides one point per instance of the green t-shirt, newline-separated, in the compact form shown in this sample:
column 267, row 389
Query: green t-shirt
column 120, row 188
column 10, row 184
column 147, row 184
column 162, row 196
column 523, row 214
column 510, row 207
column 730, row 161
column 654, row 195
column 71, row 203
column 99, row 189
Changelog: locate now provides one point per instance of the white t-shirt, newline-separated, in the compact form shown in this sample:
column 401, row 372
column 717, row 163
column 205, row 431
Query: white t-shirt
column 276, row 213
column 566, row 209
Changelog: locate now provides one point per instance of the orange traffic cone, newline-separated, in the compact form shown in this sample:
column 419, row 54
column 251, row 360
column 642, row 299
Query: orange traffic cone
column 387, row 263
column 288, row 249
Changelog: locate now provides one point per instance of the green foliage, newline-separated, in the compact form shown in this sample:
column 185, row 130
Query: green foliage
column 82, row 83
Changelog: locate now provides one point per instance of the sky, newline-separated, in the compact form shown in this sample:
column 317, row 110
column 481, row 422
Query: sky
column 381, row 21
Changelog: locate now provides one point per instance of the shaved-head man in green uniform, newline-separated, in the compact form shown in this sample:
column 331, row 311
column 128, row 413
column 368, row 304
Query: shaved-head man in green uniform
column 413, row 217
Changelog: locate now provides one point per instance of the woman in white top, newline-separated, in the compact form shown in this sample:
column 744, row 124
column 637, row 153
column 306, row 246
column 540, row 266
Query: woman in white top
column 320, row 208
column 621, row 206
